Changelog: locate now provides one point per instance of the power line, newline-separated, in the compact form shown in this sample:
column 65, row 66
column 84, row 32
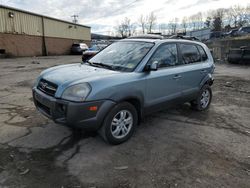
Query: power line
column 75, row 18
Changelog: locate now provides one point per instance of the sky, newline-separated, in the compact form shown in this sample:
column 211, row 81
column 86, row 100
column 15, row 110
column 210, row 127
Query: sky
column 104, row 15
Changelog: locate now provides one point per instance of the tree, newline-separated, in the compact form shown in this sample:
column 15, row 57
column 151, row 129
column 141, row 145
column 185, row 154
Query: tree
column 247, row 11
column 184, row 24
column 151, row 21
column 208, row 22
column 192, row 22
column 126, row 28
column 234, row 12
column 238, row 15
column 173, row 26
column 162, row 28
column 199, row 20
column 217, row 23
column 142, row 22
column 120, row 30
column 196, row 21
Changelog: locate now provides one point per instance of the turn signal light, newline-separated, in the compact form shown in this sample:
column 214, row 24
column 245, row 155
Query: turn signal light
column 93, row 108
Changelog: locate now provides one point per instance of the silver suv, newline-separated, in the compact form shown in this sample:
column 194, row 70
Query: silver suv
column 115, row 89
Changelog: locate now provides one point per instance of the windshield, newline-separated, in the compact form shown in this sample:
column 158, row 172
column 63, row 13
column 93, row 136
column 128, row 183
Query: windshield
column 123, row 56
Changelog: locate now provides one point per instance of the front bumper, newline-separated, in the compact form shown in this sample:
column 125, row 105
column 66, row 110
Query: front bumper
column 75, row 114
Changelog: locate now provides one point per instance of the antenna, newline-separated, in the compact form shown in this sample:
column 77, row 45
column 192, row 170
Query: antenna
column 75, row 18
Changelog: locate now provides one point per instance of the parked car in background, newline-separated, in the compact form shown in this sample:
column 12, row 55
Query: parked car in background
column 239, row 55
column 78, row 48
column 92, row 51
column 231, row 33
column 216, row 34
column 124, row 82
column 243, row 31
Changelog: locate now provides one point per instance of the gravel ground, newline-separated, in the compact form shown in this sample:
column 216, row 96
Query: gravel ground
column 177, row 147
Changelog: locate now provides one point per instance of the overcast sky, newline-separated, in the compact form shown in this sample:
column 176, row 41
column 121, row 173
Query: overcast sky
column 103, row 15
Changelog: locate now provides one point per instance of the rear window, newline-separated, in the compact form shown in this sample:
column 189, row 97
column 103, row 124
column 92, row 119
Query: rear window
column 202, row 53
column 190, row 53
column 75, row 45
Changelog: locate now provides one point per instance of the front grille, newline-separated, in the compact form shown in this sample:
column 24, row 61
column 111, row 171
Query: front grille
column 47, row 87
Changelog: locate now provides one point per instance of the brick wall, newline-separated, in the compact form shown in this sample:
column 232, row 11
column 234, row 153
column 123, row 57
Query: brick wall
column 59, row 46
column 21, row 45
column 26, row 45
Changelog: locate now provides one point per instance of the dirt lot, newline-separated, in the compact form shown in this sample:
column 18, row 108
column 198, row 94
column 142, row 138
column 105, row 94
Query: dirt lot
column 173, row 148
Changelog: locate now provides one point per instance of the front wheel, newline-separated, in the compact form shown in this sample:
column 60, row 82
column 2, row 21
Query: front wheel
column 119, row 125
column 203, row 100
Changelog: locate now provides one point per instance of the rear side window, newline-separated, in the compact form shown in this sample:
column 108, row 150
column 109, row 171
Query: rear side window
column 190, row 53
column 202, row 53
column 165, row 55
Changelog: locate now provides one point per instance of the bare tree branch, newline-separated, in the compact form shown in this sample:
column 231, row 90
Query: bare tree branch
column 151, row 21
column 142, row 23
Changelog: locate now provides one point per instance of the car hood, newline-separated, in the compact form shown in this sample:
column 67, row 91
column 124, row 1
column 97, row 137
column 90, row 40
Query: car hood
column 67, row 74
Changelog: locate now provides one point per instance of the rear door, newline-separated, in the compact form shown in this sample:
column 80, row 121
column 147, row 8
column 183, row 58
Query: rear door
column 164, row 84
column 195, row 67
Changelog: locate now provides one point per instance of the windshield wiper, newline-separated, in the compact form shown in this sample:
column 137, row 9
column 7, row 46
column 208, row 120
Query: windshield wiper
column 102, row 65
column 86, row 61
column 99, row 65
column 90, row 63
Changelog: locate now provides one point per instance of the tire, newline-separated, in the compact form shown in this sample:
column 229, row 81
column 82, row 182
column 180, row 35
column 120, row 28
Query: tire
column 123, row 115
column 201, row 104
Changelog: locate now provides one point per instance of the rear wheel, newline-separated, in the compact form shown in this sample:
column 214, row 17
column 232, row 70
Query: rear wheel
column 203, row 100
column 120, row 124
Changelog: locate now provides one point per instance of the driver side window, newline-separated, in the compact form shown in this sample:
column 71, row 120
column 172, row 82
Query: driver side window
column 165, row 55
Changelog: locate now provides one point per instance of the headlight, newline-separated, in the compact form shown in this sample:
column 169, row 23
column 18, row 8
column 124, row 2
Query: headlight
column 77, row 92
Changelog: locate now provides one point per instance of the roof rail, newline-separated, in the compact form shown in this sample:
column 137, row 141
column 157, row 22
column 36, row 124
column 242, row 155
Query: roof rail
column 147, row 36
column 154, row 36
column 184, row 37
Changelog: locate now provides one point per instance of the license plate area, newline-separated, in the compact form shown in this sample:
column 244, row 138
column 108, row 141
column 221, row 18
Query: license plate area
column 43, row 104
column 43, row 100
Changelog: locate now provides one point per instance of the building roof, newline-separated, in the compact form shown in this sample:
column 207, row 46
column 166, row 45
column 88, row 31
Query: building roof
column 35, row 14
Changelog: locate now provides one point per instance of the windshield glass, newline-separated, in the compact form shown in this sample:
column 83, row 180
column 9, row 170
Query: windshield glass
column 123, row 56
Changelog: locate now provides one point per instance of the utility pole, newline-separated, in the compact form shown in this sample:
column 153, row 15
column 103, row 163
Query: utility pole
column 75, row 18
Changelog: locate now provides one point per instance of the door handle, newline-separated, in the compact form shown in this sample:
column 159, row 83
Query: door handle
column 203, row 71
column 177, row 77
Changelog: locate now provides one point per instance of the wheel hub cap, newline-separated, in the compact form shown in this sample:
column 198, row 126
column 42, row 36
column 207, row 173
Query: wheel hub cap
column 121, row 124
column 205, row 98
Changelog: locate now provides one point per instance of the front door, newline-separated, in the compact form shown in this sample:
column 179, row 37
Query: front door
column 164, row 84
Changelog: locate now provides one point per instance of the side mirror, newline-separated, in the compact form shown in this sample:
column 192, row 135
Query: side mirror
column 154, row 66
